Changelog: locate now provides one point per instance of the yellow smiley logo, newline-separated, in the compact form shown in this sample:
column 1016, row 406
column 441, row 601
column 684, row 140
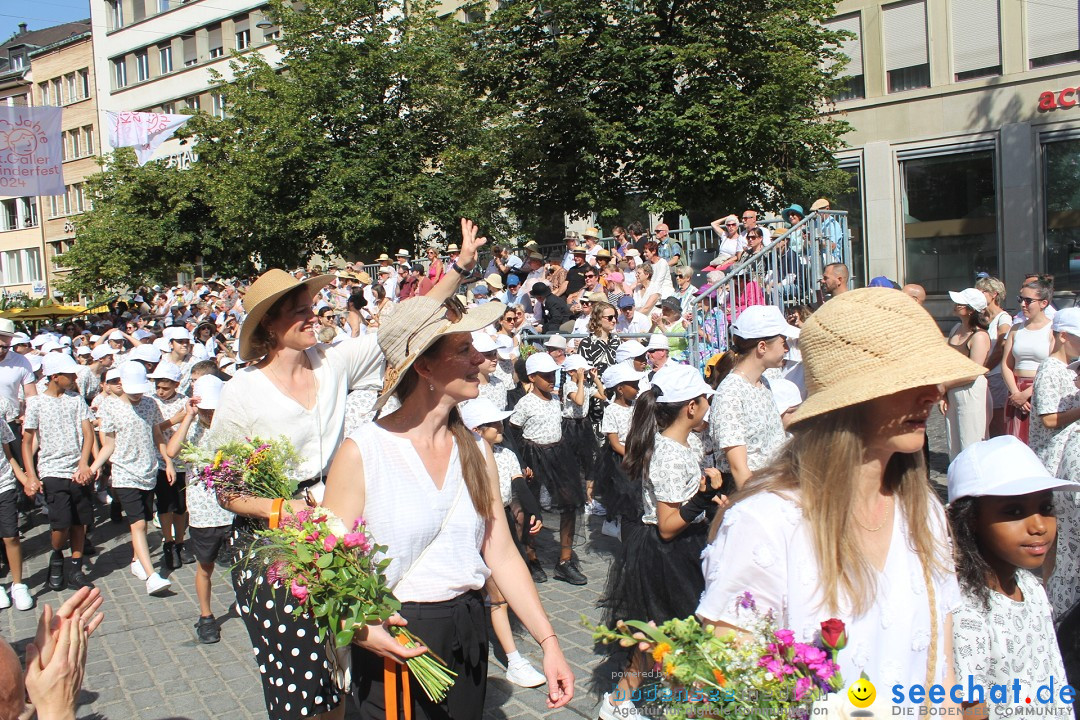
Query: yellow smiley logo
column 862, row 693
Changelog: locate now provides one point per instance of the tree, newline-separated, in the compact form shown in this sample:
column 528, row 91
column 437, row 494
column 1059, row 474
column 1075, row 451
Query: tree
column 693, row 105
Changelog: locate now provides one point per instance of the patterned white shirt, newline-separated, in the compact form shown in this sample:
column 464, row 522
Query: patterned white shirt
column 509, row 468
column 540, row 420
column 745, row 414
column 169, row 408
column 617, row 420
column 571, row 409
column 1055, row 391
column 134, row 461
column 203, row 508
column 495, row 390
column 674, row 476
column 7, row 474
column 58, row 421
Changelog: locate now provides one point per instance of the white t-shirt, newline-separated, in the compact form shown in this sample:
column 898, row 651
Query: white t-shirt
column 661, row 278
column 1002, row 318
column 58, row 421
column 617, row 420
column 169, row 409
column 639, row 323
column 674, row 475
column 509, row 468
column 134, row 461
column 745, row 414
column 203, row 508
column 540, row 420
column 252, row 405
column 764, row 548
column 15, row 371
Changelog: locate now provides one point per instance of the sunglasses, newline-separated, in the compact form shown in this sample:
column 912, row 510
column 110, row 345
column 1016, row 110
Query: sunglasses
column 607, row 317
column 590, row 274
column 1024, row 301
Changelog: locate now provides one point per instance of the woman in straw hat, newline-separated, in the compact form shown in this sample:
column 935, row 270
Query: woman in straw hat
column 295, row 388
column 428, row 489
column 843, row 522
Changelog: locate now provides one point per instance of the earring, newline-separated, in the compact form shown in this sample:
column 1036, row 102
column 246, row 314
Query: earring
column 431, row 387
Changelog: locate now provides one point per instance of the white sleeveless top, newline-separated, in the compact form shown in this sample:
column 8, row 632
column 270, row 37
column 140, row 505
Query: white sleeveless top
column 404, row 511
column 1031, row 347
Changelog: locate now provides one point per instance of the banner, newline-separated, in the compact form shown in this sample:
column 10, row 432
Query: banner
column 31, row 153
column 142, row 131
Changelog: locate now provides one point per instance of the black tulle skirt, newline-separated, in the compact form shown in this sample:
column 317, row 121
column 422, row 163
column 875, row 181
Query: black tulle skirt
column 655, row 579
column 555, row 467
column 578, row 436
column 620, row 495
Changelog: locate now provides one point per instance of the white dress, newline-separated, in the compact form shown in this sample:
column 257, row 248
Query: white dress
column 764, row 548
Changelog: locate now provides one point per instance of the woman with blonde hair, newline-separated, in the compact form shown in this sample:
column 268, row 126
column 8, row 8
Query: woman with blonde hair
column 1000, row 323
column 843, row 523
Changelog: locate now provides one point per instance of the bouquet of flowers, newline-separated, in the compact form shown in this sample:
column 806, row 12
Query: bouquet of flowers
column 335, row 574
column 706, row 673
column 252, row 466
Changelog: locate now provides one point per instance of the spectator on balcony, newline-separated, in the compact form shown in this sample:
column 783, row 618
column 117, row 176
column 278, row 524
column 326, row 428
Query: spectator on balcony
column 731, row 242
column 646, row 294
column 668, row 249
column 834, row 279
column 685, row 292
column 575, row 276
column 555, row 275
column 832, row 235
column 622, row 240
column 630, row 321
column 592, row 244
column 554, row 309
column 793, row 215
column 750, row 220
column 638, row 236
column 568, row 256
column 661, row 275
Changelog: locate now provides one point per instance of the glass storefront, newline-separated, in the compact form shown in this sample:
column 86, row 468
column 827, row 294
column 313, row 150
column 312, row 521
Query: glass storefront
column 1061, row 175
column 950, row 219
column 851, row 201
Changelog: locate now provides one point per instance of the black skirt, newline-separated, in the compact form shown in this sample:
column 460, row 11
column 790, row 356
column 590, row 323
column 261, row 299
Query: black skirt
column 578, row 436
column 620, row 495
column 456, row 631
column 655, row 579
column 555, row 467
column 295, row 671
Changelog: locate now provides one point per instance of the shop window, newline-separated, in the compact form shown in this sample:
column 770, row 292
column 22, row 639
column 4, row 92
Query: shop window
column 1061, row 178
column 852, row 48
column 906, row 52
column 1053, row 33
column 950, row 219
column 851, row 201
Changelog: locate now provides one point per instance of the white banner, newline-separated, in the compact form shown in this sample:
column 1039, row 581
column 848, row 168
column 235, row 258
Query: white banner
column 31, row 153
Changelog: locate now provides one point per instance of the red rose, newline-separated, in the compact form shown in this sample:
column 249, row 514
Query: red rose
column 833, row 634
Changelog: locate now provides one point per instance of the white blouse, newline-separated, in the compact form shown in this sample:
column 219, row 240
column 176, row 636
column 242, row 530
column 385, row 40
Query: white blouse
column 764, row 548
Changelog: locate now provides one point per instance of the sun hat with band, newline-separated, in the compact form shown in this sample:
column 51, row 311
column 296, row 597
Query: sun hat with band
column 417, row 323
column 271, row 286
column 870, row 343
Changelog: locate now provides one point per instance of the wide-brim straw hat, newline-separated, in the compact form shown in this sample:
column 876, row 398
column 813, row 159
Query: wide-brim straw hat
column 416, row 324
column 871, row 343
column 271, row 286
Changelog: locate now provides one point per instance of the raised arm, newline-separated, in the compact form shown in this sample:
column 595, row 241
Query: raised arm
column 470, row 247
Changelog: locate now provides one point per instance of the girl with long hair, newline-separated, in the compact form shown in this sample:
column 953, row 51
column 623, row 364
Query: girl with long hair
column 998, row 329
column 1027, row 345
column 843, row 522
column 599, row 348
column 967, row 408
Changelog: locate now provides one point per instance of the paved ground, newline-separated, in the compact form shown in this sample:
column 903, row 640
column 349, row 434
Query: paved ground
column 145, row 662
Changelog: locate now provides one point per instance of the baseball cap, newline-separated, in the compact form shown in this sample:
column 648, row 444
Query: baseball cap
column 481, row 411
column 575, row 362
column 970, row 297
column 101, row 351
column 83, row 350
column 208, row 390
column 483, row 342
column 142, row 334
column 133, row 379
column 51, row 346
column 1001, row 467
column 480, row 289
column 112, row 374
column 556, row 341
column 512, row 280
column 505, row 344
column 679, row 383
column 619, row 373
column 629, row 349
column 1067, row 320
column 115, row 335
column 176, row 333
column 626, row 302
column 57, row 363
column 671, row 303
column 35, row 361
column 540, row 362
column 146, row 353
column 762, row 321
column 64, row 341
column 166, row 371
column 785, row 394
column 20, row 338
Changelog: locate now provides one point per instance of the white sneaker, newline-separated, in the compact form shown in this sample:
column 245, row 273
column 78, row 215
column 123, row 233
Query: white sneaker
column 155, row 584
column 612, row 528
column 523, row 674
column 5, row 601
column 618, row 711
column 595, row 508
column 21, row 595
column 137, row 570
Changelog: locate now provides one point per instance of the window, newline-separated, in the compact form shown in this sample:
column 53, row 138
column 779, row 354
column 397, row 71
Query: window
column 138, row 10
column 976, row 39
column 165, row 58
column 18, row 100
column 193, row 102
column 1053, row 33
column 9, row 215
column 18, row 61
column 13, row 269
column 78, row 197
column 852, row 47
column 116, row 14
column 475, row 14
column 217, row 49
column 29, row 212
column 33, row 265
column 70, row 91
column 950, row 219
column 88, row 139
column 119, row 73
column 851, row 201
column 1061, row 178
column 243, row 39
column 169, row 108
column 56, row 206
column 75, row 143
column 271, row 34
column 219, row 105
column 191, row 53
column 57, row 92
column 163, row 6
column 84, row 82
column 142, row 66
column 43, row 90
column 906, row 57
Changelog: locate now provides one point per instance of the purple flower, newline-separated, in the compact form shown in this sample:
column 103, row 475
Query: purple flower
column 802, row 686
column 786, row 637
column 275, row 573
column 746, row 601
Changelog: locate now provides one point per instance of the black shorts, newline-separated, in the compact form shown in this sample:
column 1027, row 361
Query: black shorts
column 9, row 513
column 171, row 498
column 69, row 503
column 137, row 504
column 207, row 543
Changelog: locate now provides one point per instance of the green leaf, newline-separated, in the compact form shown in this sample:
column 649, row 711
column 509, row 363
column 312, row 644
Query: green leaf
column 344, row 637
column 325, row 560
column 303, row 555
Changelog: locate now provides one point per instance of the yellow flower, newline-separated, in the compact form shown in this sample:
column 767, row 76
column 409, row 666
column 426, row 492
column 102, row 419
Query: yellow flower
column 670, row 669
column 217, row 459
column 660, row 651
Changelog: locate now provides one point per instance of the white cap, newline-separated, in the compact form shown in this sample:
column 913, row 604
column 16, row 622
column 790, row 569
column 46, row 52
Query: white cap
column 162, row 345
column 575, row 362
column 115, row 335
column 1003, row 466
column 629, row 349
column 39, row 340
column 208, row 390
column 762, row 321
column 64, row 341
column 165, row 371
column 1067, row 320
column 112, row 374
column 176, row 333
column 620, row 373
column 133, row 379
column 540, row 362
column 56, row 363
column 83, row 350
column 481, row 411
column 146, row 353
column 7, row 327
column 505, row 344
column 633, row 252
column 970, row 297
column 483, row 343
column 556, row 341
column 51, row 346
column 101, row 351
column 94, row 338
column 785, row 394
column 20, row 338
column 658, row 341
column 679, row 383
column 142, row 334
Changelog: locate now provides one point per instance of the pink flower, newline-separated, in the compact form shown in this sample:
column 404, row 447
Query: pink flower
column 299, row 591
column 329, row 543
column 356, row 525
column 357, row 540
column 313, row 537
column 786, row 637
column 802, row 686
column 275, row 573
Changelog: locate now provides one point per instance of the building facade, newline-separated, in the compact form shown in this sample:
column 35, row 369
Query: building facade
column 965, row 149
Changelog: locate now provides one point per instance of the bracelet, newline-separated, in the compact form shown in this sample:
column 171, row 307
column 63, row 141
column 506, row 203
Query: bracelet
column 458, row 269
column 275, row 512
column 552, row 635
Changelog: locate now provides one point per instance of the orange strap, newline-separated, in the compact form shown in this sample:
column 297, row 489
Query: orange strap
column 392, row 672
column 275, row 512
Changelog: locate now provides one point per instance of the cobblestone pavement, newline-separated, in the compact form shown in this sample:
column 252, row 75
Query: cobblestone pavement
column 144, row 661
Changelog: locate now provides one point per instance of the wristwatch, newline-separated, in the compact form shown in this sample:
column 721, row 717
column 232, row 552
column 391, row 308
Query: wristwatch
column 458, row 269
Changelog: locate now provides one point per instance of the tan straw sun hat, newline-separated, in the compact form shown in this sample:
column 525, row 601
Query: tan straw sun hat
column 871, row 343
column 417, row 323
column 271, row 286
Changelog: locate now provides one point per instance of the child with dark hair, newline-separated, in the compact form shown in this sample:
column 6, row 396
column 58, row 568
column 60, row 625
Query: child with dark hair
column 620, row 495
column 1001, row 507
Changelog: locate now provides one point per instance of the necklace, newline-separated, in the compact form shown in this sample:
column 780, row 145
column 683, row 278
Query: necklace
column 286, row 388
column 888, row 506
